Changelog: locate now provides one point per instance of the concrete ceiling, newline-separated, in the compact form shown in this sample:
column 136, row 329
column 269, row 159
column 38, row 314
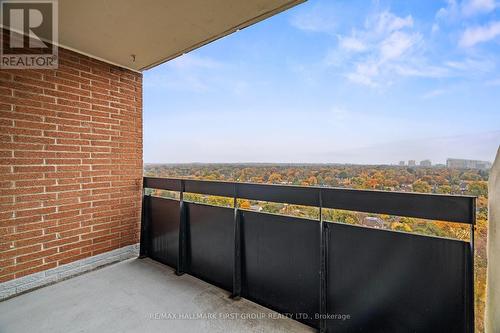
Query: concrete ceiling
column 154, row 31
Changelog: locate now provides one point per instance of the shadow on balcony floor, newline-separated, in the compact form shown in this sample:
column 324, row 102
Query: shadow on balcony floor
column 132, row 296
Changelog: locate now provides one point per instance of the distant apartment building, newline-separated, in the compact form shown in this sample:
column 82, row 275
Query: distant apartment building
column 457, row 163
column 425, row 163
column 412, row 163
column 402, row 163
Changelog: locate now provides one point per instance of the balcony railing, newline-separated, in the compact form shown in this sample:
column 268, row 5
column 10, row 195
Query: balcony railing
column 332, row 276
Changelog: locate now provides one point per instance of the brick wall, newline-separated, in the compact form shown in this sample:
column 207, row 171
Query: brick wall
column 70, row 163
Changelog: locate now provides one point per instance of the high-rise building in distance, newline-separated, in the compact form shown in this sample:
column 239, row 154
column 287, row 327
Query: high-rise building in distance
column 425, row 163
column 458, row 163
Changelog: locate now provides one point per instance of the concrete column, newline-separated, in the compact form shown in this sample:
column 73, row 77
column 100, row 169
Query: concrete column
column 492, row 320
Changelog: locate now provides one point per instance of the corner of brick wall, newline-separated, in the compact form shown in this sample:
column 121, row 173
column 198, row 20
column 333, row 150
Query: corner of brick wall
column 70, row 163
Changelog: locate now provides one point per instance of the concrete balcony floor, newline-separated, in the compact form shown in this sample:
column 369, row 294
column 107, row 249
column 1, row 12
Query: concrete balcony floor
column 136, row 295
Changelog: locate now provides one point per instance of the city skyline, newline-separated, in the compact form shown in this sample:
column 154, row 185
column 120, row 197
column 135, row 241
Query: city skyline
column 335, row 82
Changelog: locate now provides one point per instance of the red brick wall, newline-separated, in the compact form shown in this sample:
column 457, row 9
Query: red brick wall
column 70, row 163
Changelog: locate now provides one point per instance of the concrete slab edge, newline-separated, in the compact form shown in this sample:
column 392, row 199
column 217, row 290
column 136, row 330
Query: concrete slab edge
column 30, row 282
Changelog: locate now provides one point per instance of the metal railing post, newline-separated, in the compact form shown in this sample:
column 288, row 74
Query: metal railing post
column 472, row 301
column 144, row 241
column 181, row 259
column 237, row 248
column 322, row 268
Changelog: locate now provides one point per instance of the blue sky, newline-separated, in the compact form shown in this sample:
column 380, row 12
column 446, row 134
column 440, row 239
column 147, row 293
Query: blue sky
column 335, row 81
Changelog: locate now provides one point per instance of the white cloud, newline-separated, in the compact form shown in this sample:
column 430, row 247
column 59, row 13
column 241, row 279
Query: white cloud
column 471, row 65
column 347, row 47
column 365, row 74
column 397, row 44
column 480, row 34
column 435, row 93
column 375, row 52
column 421, row 69
column 388, row 47
column 450, row 11
column 465, row 9
column 468, row 67
column 352, row 44
column 386, row 22
column 474, row 7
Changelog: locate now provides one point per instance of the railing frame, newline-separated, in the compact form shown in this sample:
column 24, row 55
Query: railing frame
column 449, row 208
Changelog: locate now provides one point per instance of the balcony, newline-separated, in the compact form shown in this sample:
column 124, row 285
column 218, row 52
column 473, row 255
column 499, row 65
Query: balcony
column 330, row 276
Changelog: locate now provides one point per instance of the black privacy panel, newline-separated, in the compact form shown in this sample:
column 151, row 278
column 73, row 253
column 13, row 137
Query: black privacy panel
column 163, row 230
column 210, row 245
column 395, row 282
column 280, row 263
